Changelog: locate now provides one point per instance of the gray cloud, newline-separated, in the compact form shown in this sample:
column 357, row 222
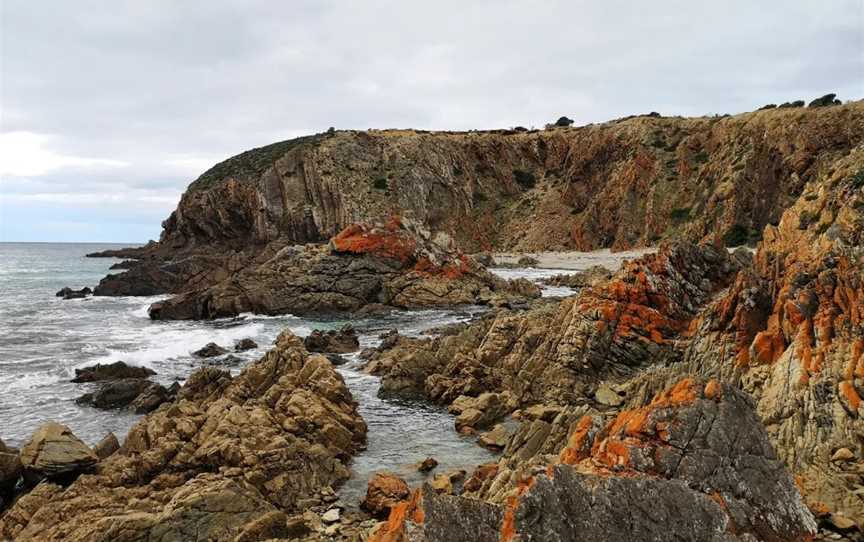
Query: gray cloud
column 167, row 87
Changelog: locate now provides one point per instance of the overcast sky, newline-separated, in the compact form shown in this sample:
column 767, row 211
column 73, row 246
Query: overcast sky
column 109, row 109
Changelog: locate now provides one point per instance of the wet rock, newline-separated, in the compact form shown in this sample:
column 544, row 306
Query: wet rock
column 125, row 264
column 384, row 491
column 336, row 359
column 496, row 439
column 69, row 293
column 527, row 261
column 226, row 361
column 441, row 483
column 245, row 344
column 427, row 464
column 484, row 258
column 150, row 398
column 55, row 452
column 111, row 371
column 210, row 350
column 592, row 276
column 482, row 411
column 341, row 341
column 118, row 393
column 107, row 446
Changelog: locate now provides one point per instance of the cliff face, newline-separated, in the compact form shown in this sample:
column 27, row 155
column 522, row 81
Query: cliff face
column 619, row 184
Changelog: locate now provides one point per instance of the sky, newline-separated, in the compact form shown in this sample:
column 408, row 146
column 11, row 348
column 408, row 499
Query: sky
column 109, row 109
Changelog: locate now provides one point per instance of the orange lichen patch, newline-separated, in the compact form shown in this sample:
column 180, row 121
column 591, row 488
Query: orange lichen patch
column 848, row 391
column 767, row 348
column 713, row 389
column 614, row 452
column 855, row 367
column 394, row 529
column 388, row 242
column 576, row 449
column 632, row 422
column 508, row 526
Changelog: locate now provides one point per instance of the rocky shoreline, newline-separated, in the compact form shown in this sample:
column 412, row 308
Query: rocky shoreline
column 693, row 394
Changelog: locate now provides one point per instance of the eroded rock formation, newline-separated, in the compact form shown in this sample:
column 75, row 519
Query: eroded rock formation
column 226, row 461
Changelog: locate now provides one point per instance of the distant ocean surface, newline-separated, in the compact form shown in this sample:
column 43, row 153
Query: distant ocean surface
column 44, row 338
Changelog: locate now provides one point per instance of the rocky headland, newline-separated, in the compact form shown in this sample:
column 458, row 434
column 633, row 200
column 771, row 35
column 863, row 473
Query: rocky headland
column 696, row 393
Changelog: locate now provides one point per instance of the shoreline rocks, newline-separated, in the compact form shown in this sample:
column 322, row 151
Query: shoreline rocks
column 54, row 452
column 111, row 371
column 341, row 341
column 69, row 293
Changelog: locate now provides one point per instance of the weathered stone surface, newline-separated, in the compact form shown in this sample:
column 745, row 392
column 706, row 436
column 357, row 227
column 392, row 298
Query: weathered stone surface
column 427, row 464
column 384, row 491
column 107, row 446
column 227, row 460
column 592, row 276
column 111, row 371
column 69, row 293
column 54, row 452
column 10, row 472
column 496, row 439
column 115, row 393
column 397, row 264
column 693, row 464
column 339, row 341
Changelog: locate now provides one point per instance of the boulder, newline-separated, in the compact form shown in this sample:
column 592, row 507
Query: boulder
column 482, row 411
column 107, row 446
column 55, row 452
column 245, row 344
column 496, row 439
column 150, row 398
column 384, row 491
column 10, row 472
column 111, row 371
column 341, row 341
column 210, row 350
column 427, row 464
column 115, row 393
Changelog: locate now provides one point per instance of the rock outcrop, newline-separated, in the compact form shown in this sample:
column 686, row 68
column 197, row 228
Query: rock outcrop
column 396, row 265
column 226, row 461
column 54, row 452
column 693, row 464
column 558, row 353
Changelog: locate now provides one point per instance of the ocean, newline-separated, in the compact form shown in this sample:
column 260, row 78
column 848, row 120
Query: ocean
column 44, row 338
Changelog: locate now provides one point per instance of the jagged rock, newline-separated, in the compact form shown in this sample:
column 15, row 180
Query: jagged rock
column 245, row 344
column 226, row 461
column 54, row 452
column 125, row 264
column 69, row 293
column 341, row 341
column 441, row 483
column 210, row 350
column 150, row 398
column 482, row 411
column 843, row 454
column 331, row 516
column 107, row 446
column 697, row 455
column 397, row 264
column 384, row 490
column 111, row 371
column 336, row 359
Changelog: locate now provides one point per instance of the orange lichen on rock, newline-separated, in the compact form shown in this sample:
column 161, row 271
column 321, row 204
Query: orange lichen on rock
column 390, row 241
column 855, row 367
column 767, row 348
column 508, row 526
column 394, row 529
column 576, row 451
column 847, row 390
column 713, row 389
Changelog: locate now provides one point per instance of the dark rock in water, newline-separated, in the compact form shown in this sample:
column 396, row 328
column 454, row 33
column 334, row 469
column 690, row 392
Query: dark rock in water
column 210, row 351
column 339, row 341
column 111, row 371
column 174, row 389
column 69, row 293
column 125, row 264
column 55, row 452
column 589, row 277
column 150, row 398
column 484, row 258
column 115, row 393
column 132, row 252
column 527, row 261
column 427, row 464
column 245, row 344
column 336, row 359
column 229, row 360
column 107, row 446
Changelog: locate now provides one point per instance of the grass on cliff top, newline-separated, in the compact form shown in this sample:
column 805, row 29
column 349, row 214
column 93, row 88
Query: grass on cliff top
column 251, row 163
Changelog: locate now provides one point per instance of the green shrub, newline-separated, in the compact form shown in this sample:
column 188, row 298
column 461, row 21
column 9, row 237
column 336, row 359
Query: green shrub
column 680, row 215
column 380, row 183
column 739, row 235
column 524, row 178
